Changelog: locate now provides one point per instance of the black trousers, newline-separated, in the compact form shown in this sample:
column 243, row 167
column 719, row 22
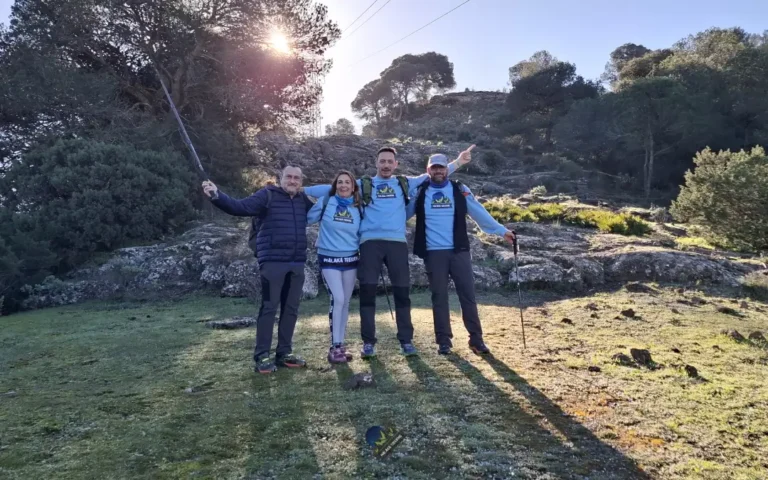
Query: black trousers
column 458, row 265
column 281, row 286
column 374, row 254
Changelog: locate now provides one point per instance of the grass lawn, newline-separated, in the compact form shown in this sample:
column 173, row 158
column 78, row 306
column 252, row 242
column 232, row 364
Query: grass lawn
column 100, row 391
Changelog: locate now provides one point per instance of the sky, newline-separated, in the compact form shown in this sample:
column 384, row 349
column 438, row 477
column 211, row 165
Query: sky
column 483, row 38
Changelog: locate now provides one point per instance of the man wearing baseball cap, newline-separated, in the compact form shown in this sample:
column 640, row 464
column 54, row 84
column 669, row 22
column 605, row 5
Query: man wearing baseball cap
column 442, row 241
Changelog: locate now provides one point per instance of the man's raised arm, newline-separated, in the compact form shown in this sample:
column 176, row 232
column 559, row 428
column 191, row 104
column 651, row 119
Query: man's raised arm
column 251, row 206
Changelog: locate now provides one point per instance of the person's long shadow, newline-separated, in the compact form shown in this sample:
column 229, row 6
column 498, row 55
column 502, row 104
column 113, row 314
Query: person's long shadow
column 604, row 458
column 543, row 451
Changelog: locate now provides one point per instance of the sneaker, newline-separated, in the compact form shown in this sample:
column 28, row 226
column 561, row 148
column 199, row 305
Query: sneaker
column 479, row 348
column 347, row 353
column 444, row 350
column 336, row 355
column 408, row 350
column 265, row 366
column 290, row 361
column 368, row 351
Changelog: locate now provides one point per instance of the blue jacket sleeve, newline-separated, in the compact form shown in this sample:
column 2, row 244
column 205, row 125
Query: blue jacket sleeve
column 251, row 206
column 318, row 191
column 410, row 209
column 313, row 216
column 480, row 215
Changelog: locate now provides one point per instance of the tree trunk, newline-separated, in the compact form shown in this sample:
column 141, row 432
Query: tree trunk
column 649, row 163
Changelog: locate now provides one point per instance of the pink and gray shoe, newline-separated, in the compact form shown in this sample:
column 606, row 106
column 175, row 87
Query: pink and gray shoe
column 336, row 355
column 347, row 353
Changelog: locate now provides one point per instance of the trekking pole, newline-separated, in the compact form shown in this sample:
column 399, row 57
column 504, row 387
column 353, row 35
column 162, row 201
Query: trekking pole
column 183, row 131
column 383, row 282
column 519, row 293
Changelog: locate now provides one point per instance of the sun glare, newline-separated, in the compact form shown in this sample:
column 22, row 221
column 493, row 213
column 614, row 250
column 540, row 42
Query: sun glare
column 279, row 42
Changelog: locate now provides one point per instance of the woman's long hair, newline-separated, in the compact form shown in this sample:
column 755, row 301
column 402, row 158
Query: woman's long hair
column 355, row 188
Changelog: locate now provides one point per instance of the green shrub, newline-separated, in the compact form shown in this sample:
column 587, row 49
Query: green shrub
column 538, row 191
column 756, row 285
column 548, row 212
column 509, row 212
column 77, row 197
column 506, row 211
column 728, row 194
column 493, row 158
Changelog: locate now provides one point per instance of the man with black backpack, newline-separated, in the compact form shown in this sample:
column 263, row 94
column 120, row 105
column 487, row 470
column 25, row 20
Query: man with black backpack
column 279, row 241
column 383, row 242
column 441, row 207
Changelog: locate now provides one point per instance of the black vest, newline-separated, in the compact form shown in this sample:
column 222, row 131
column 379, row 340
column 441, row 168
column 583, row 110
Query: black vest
column 460, row 237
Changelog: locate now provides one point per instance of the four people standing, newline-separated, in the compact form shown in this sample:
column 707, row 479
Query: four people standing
column 363, row 227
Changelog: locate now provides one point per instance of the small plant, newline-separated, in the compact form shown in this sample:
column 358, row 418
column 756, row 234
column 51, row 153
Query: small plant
column 538, row 191
column 659, row 214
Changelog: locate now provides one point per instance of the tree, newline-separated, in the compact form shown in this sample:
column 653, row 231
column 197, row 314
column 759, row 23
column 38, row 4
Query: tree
column 619, row 58
column 373, row 101
column 419, row 75
column 214, row 56
column 538, row 62
column 728, row 193
column 82, row 196
column 641, row 67
column 652, row 111
column 342, row 127
column 537, row 101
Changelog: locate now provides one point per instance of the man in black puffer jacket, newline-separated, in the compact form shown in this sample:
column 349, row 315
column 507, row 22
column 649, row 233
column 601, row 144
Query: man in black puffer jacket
column 281, row 249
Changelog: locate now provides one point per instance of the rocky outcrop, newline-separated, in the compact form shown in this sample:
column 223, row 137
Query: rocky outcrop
column 216, row 258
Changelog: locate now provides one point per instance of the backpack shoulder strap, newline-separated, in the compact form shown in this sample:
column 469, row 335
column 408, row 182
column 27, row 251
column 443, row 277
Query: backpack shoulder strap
column 403, row 181
column 308, row 203
column 366, row 187
column 325, row 204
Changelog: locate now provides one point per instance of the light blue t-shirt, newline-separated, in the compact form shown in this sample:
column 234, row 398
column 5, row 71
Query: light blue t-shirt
column 385, row 217
column 339, row 228
column 439, row 207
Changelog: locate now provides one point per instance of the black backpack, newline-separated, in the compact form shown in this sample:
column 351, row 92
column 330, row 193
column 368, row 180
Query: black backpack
column 257, row 221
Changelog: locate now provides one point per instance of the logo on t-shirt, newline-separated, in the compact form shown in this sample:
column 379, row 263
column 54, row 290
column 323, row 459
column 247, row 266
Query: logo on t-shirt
column 441, row 201
column 383, row 190
column 342, row 215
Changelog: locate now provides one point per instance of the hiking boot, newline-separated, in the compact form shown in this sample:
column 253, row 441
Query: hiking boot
column 368, row 351
column 444, row 350
column 265, row 366
column 290, row 361
column 347, row 353
column 408, row 350
column 336, row 355
column 479, row 348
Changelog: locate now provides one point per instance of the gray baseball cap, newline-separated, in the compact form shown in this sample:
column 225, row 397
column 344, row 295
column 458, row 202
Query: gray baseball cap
column 438, row 159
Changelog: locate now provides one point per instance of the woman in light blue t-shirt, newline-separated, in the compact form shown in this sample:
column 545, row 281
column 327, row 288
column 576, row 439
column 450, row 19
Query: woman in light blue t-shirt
column 338, row 243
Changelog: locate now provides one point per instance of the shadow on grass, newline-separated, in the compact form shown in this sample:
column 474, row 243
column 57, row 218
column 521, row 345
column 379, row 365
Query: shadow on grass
column 582, row 452
column 600, row 457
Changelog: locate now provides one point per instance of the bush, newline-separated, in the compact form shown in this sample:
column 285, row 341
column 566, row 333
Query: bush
column 509, row 212
column 77, row 197
column 493, row 158
column 728, row 194
column 538, row 191
column 756, row 285
column 548, row 212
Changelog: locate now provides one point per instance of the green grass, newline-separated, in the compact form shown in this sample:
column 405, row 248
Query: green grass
column 687, row 243
column 100, row 393
column 506, row 211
